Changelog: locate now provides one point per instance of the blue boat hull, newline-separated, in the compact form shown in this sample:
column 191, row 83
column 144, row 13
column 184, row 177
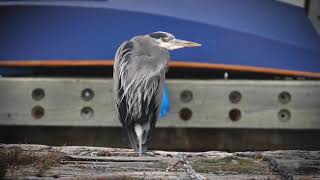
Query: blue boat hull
column 80, row 33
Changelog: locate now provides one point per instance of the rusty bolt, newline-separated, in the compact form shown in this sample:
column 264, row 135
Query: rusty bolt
column 37, row 112
column 38, row 94
column 235, row 114
column 185, row 114
column 235, row 97
column 186, row 96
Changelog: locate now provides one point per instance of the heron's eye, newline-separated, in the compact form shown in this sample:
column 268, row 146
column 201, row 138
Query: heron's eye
column 165, row 39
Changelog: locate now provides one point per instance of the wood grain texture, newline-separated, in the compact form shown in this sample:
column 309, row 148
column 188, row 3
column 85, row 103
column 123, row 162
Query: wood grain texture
column 210, row 105
column 20, row 161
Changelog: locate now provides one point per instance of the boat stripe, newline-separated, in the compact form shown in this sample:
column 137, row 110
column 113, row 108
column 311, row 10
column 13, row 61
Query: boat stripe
column 177, row 64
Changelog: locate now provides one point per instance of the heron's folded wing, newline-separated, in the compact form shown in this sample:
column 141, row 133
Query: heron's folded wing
column 121, row 57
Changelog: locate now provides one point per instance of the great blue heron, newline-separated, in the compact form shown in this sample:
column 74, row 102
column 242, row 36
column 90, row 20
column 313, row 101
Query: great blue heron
column 138, row 74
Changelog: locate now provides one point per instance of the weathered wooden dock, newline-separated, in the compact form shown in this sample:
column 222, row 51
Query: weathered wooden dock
column 23, row 161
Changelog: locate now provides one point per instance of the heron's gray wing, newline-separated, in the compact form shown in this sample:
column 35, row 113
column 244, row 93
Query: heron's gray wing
column 122, row 55
column 121, row 59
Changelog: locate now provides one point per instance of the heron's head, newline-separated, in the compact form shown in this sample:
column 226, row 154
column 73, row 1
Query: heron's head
column 168, row 41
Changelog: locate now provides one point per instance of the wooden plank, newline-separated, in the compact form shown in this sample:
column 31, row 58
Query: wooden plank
column 209, row 107
column 20, row 161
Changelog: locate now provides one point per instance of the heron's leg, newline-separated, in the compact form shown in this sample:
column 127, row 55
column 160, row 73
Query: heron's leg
column 139, row 132
column 140, row 146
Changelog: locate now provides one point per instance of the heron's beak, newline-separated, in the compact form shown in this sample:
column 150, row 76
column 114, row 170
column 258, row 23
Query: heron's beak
column 177, row 44
column 182, row 43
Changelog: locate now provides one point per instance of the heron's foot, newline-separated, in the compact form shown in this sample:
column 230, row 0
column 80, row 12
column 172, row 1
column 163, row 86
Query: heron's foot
column 178, row 163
